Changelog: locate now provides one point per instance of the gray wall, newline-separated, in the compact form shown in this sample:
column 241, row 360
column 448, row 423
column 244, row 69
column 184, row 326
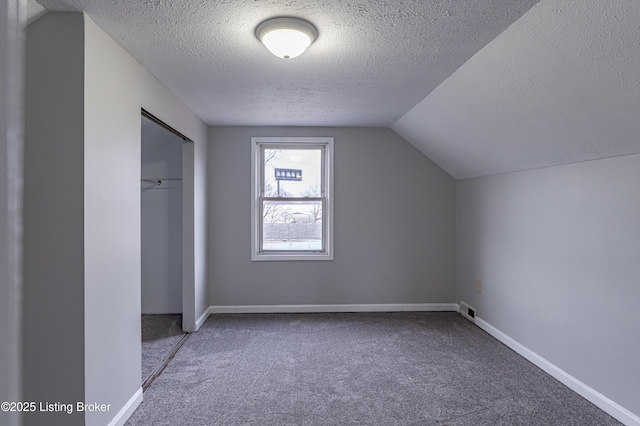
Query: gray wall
column 11, row 143
column 558, row 252
column 161, row 224
column 394, row 225
column 82, row 216
column 54, row 324
column 116, row 88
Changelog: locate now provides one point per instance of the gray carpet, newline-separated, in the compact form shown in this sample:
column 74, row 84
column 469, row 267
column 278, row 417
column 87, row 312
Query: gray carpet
column 160, row 333
column 355, row 369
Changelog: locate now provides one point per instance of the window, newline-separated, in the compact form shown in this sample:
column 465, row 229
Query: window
column 292, row 210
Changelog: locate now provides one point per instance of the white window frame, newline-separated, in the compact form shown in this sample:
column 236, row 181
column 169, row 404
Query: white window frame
column 257, row 179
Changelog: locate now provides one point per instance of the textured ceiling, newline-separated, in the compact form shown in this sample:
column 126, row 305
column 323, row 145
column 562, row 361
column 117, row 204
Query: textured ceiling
column 561, row 85
column 481, row 87
column 373, row 60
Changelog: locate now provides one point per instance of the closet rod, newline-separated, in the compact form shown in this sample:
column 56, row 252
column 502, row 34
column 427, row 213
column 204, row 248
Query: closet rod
column 159, row 181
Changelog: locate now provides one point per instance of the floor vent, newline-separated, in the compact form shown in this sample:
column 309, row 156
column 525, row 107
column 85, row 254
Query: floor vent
column 467, row 311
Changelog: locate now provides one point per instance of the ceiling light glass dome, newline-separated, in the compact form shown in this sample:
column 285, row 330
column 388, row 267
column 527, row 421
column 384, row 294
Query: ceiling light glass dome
column 286, row 37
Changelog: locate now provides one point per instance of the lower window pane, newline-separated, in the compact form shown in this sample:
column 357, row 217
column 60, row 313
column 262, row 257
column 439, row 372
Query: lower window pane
column 292, row 226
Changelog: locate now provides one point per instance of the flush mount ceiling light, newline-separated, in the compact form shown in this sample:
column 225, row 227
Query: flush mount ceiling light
column 286, row 37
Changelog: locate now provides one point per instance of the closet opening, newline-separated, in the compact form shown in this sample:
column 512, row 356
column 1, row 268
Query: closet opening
column 161, row 206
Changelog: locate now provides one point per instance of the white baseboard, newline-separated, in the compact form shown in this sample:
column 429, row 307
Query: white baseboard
column 123, row 415
column 596, row 398
column 203, row 318
column 281, row 309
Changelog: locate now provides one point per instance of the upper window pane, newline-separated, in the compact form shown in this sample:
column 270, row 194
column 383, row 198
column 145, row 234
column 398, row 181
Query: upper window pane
column 292, row 172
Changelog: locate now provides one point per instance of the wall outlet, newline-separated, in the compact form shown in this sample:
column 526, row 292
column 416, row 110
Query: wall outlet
column 479, row 286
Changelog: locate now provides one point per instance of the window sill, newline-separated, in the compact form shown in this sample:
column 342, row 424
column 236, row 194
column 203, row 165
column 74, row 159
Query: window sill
column 259, row 257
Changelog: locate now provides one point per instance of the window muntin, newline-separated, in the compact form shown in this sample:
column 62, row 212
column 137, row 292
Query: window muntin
column 291, row 202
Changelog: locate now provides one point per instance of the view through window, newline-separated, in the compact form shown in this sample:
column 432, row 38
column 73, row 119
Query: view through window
column 292, row 201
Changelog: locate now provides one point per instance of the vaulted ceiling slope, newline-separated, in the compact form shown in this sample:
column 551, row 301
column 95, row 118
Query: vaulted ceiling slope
column 561, row 85
column 373, row 60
